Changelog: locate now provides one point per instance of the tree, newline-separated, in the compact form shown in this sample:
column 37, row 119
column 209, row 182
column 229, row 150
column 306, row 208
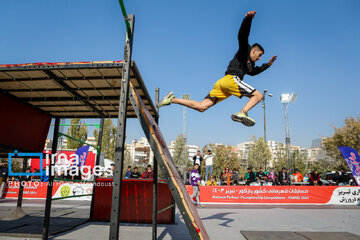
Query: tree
column 108, row 139
column 77, row 130
column 349, row 136
column 259, row 154
column 324, row 163
column 280, row 158
column 300, row 161
column 224, row 157
column 179, row 153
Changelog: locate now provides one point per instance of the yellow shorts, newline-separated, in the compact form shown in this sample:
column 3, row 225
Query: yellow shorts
column 230, row 85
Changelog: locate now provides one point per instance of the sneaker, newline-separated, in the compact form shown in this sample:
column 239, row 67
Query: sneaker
column 243, row 118
column 166, row 100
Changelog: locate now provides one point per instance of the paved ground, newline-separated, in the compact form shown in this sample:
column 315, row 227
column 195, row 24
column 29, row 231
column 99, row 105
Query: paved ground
column 222, row 222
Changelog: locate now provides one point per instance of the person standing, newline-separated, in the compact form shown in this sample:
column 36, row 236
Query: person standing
column 208, row 164
column 197, row 160
column 195, row 183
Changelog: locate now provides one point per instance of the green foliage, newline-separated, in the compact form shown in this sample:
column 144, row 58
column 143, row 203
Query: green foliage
column 224, row 157
column 349, row 136
column 324, row 163
column 79, row 131
column 280, row 158
column 300, row 161
column 180, row 152
column 259, row 154
column 108, row 139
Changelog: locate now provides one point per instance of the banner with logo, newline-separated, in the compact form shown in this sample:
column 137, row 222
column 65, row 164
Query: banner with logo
column 353, row 160
column 37, row 190
column 278, row 194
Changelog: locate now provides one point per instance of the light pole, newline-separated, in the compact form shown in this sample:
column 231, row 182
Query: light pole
column 263, row 105
column 286, row 98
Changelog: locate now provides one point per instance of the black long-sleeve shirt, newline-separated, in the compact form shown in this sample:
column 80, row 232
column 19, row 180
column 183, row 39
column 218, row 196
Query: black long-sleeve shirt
column 242, row 64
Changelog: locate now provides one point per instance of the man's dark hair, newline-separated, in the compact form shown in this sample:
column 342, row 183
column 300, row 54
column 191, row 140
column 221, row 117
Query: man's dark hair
column 196, row 164
column 129, row 166
column 209, row 150
column 135, row 168
column 148, row 166
column 258, row 47
column 248, row 168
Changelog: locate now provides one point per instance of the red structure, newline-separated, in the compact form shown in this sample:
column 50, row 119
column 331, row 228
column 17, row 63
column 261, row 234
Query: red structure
column 22, row 127
column 136, row 201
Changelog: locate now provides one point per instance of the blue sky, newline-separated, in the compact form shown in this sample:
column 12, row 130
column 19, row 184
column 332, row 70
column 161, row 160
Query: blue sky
column 185, row 46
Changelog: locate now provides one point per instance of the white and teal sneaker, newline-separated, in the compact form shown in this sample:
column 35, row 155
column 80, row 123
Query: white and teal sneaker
column 243, row 118
column 166, row 100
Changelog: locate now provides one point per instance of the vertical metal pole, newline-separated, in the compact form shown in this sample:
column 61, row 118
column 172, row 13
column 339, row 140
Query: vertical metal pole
column 155, row 179
column 120, row 138
column 21, row 189
column 264, row 123
column 287, row 140
column 45, row 231
column 97, row 162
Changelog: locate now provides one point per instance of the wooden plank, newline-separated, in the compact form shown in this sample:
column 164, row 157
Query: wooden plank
column 175, row 182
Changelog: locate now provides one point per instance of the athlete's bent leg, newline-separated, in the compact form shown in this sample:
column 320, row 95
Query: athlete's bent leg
column 199, row 106
column 254, row 99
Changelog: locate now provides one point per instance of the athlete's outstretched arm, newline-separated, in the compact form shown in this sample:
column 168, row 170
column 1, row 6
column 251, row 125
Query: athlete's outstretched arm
column 244, row 31
column 263, row 67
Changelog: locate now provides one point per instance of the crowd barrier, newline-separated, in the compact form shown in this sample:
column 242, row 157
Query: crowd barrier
column 347, row 195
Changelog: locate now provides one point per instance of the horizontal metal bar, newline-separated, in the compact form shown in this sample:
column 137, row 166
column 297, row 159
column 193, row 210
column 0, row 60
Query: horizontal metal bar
column 118, row 77
column 74, row 93
column 164, row 209
column 75, row 139
column 60, row 89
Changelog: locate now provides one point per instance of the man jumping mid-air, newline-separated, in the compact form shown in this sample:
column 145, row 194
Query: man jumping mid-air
column 232, row 84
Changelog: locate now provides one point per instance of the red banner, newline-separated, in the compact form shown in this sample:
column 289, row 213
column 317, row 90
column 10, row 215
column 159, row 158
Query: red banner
column 278, row 194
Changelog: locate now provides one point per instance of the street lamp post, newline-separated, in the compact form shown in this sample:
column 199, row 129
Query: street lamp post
column 263, row 105
column 286, row 98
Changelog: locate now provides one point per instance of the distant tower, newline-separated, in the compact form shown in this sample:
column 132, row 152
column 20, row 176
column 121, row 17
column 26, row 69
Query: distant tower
column 187, row 97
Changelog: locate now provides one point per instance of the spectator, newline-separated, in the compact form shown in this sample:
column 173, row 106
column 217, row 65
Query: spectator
column 208, row 164
column 261, row 176
column 272, row 177
column 128, row 172
column 28, row 178
column 211, row 181
column 298, row 177
column 4, row 172
column 188, row 173
column 195, row 183
column 149, row 173
column 197, row 160
column 135, row 173
column 250, row 177
column 235, row 174
column 344, row 178
column 306, row 177
column 227, row 177
column 44, row 177
column 315, row 178
column 283, row 177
